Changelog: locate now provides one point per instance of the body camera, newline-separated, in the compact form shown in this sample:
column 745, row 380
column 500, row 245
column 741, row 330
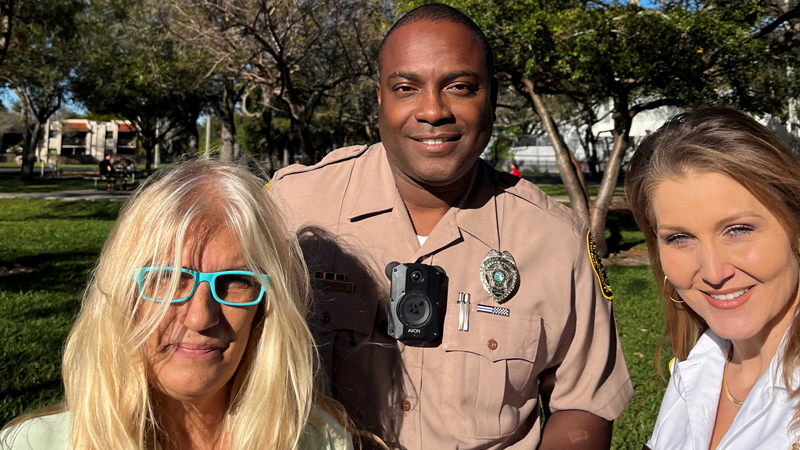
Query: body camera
column 413, row 312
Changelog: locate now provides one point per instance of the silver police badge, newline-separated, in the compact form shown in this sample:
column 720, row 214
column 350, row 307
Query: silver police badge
column 499, row 275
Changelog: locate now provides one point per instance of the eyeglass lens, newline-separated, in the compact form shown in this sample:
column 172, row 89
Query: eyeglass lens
column 234, row 288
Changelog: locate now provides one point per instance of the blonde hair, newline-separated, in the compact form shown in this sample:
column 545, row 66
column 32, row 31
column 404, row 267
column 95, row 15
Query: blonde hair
column 727, row 142
column 108, row 393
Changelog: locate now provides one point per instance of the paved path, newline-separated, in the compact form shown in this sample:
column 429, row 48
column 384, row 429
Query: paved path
column 91, row 195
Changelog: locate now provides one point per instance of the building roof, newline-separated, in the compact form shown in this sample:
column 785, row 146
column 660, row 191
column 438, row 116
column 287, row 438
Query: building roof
column 75, row 126
column 125, row 126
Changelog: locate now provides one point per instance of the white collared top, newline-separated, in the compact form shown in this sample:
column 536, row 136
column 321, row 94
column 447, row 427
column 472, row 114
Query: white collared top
column 689, row 409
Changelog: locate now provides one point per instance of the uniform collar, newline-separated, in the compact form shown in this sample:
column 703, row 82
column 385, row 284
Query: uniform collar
column 481, row 211
column 372, row 183
column 375, row 193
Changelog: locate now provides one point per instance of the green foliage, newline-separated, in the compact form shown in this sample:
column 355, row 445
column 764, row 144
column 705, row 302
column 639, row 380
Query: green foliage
column 690, row 53
column 147, row 77
column 39, row 63
column 503, row 138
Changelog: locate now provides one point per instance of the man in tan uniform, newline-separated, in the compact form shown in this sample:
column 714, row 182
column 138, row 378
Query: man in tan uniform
column 424, row 196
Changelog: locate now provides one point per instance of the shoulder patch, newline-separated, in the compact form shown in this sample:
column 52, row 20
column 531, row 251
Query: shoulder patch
column 597, row 266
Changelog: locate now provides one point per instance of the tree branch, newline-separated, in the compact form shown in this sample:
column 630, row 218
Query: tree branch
column 788, row 15
column 646, row 106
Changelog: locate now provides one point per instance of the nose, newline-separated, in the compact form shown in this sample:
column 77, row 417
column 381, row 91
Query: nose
column 204, row 311
column 715, row 267
column 433, row 109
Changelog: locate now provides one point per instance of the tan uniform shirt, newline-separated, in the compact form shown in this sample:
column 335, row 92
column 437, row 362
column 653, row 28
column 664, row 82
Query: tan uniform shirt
column 479, row 388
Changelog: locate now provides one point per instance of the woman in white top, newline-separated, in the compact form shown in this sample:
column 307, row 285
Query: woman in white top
column 192, row 331
column 717, row 196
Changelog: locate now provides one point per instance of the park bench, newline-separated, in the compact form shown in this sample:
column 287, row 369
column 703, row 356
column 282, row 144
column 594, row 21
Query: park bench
column 127, row 179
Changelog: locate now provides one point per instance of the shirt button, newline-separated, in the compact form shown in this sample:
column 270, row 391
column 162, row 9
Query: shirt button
column 326, row 317
column 492, row 344
column 406, row 405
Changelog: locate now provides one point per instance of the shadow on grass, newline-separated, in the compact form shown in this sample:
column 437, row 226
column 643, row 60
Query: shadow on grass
column 43, row 312
column 624, row 233
column 49, row 272
column 97, row 211
column 38, row 185
column 22, row 210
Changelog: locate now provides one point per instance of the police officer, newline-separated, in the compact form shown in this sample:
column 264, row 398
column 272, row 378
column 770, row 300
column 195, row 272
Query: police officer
column 539, row 317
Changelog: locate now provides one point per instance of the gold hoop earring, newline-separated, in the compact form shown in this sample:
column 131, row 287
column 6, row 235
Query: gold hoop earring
column 670, row 297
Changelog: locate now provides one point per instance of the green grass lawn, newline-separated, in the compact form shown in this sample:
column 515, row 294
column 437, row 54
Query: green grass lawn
column 640, row 322
column 15, row 185
column 555, row 190
column 58, row 243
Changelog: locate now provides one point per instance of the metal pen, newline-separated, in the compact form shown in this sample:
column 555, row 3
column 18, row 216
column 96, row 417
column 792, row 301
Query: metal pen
column 460, row 311
column 466, row 315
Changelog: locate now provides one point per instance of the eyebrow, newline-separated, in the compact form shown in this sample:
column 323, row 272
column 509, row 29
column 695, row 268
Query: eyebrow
column 720, row 223
column 448, row 77
column 737, row 216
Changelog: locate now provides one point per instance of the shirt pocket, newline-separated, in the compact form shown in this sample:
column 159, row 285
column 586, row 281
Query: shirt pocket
column 488, row 375
column 337, row 312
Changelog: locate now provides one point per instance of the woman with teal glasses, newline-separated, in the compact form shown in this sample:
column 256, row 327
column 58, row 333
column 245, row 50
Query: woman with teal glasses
column 192, row 331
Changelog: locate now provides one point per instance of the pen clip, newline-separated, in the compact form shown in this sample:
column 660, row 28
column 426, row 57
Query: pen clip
column 460, row 311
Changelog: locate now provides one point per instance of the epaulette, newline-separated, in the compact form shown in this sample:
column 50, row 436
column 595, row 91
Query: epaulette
column 334, row 157
column 529, row 192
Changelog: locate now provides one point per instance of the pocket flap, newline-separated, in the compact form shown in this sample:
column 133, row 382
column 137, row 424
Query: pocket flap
column 496, row 337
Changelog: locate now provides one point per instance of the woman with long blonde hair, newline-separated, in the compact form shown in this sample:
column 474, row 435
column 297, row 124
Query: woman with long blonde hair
column 717, row 196
column 192, row 330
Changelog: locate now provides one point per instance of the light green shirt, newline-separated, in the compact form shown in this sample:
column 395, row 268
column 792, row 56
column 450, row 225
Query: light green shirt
column 41, row 433
column 323, row 432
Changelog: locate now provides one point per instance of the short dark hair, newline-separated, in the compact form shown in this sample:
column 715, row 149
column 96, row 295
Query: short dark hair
column 437, row 12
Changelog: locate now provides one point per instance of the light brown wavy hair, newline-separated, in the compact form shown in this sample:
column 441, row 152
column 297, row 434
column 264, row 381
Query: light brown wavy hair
column 727, row 142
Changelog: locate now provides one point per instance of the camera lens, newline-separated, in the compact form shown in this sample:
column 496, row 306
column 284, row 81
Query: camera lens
column 416, row 276
column 414, row 310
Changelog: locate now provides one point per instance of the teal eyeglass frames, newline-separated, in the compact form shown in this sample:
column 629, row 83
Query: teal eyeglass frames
column 229, row 287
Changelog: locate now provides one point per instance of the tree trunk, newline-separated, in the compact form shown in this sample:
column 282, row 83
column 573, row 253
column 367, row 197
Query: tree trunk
column 577, row 193
column 622, row 129
column 30, row 141
column 148, row 158
column 228, row 139
column 226, row 110
column 6, row 17
column 191, row 142
column 192, row 135
column 304, row 134
column 265, row 143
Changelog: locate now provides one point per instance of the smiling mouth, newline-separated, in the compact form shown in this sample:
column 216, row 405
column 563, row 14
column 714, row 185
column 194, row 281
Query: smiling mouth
column 731, row 295
column 438, row 140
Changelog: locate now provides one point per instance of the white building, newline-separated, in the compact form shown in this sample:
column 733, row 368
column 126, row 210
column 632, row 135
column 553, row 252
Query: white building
column 86, row 141
column 537, row 152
